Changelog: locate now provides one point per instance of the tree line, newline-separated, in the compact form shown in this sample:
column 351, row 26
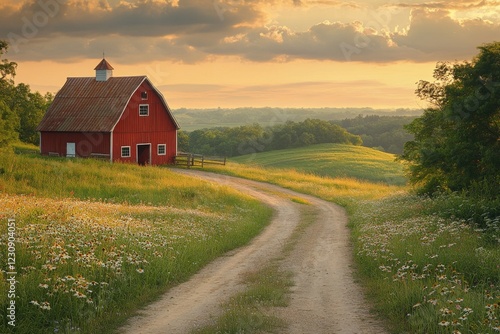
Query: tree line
column 385, row 133
column 247, row 139
column 457, row 140
column 21, row 110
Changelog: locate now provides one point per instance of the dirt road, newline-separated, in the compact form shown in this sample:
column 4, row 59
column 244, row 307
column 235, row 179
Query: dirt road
column 325, row 298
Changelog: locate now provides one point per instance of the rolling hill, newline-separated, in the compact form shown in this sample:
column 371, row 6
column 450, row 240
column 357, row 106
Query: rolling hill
column 333, row 160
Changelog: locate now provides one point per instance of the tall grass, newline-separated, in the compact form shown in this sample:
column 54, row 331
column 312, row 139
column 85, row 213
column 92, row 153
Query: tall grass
column 339, row 190
column 95, row 241
column 429, row 265
column 428, row 274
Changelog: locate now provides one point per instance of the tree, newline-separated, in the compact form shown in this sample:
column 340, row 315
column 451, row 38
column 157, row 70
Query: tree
column 9, row 122
column 7, row 68
column 457, row 140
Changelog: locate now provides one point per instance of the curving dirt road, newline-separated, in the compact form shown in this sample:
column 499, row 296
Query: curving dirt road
column 325, row 298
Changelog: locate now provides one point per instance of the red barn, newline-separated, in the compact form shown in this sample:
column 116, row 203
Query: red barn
column 119, row 118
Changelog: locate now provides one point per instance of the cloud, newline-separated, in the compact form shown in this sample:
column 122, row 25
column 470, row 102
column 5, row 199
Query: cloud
column 448, row 5
column 192, row 31
column 438, row 36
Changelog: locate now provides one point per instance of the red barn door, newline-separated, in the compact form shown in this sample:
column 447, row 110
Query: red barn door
column 144, row 154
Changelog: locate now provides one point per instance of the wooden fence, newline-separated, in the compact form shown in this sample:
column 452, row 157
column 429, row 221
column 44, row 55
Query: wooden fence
column 193, row 160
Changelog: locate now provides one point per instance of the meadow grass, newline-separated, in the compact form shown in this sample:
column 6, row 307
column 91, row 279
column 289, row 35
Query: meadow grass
column 342, row 190
column 332, row 160
column 95, row 241
column 427, row 274
column 429, row 265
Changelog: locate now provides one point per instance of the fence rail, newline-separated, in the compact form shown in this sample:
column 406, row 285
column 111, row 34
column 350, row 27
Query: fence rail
column 192, row 160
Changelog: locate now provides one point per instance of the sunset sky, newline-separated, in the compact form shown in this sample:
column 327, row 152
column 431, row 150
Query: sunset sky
column 236, row 53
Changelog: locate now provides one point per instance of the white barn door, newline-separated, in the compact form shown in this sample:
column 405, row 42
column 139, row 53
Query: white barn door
column 70, row 150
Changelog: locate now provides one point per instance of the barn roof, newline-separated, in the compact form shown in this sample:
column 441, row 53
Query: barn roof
column 87, row 105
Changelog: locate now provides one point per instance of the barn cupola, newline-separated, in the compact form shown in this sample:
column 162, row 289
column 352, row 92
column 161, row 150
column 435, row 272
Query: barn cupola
column 103, row 71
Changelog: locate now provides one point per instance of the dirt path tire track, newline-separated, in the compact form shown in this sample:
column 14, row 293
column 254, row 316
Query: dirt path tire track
column 324, row 299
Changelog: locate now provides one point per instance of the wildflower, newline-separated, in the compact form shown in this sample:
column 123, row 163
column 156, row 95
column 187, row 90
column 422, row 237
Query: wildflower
column 140, row 270
column 78, row 294
column 417, row 305
column 45, row 306
column 444, row 323
column 43, row 286
column 34, row 302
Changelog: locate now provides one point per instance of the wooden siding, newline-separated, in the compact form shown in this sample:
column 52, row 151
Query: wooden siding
column 86, row 143
column 156, row 128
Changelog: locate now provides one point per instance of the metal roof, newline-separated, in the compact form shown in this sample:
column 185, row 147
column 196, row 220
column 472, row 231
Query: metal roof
column 87, row 105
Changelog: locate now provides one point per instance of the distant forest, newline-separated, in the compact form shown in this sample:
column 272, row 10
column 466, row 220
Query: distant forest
column 248, row 130
column 195, row 119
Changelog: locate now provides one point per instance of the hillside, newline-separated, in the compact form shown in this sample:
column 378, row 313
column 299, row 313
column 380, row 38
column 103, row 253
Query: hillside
column 333, row 160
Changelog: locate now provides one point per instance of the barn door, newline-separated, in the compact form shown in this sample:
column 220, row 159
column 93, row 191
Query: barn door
column 144, row 154
column 70, row 150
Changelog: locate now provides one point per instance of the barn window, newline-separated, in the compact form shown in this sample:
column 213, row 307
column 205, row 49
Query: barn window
column 125, row 151
column 144, row 110
column 144, row 95
column 162, row 149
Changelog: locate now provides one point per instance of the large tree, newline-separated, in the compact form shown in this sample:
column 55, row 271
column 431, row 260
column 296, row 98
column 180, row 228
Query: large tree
column 9, row 121
column 21, row 110
column 457, row 140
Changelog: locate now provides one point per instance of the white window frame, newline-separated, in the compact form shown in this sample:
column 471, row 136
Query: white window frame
column 164, row 146
column 147, row 107
column 129, row 152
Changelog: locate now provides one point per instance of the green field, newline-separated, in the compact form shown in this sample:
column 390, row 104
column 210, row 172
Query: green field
column 95, row 241
column 333, row 160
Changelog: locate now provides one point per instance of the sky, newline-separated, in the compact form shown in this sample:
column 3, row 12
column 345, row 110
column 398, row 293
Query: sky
column 250, row 53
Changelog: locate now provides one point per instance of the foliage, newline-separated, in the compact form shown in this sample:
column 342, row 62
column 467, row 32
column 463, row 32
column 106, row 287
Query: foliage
column 8, row 119
column 457, row 146
column 386, row 133
column 8, row 125
column 195, row 119
column 254, row 138
column 7, row 68
column 95, row 241
column 21, row 110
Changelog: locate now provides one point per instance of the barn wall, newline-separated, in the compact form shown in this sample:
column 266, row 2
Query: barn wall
column 157, row 128
column 85, row 143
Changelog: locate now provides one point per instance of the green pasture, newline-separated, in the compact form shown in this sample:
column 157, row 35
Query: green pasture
column 332, row 160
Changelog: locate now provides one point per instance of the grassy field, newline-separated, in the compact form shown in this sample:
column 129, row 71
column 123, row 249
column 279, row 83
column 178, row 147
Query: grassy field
column 333, row 160
column 94, row 241
column 425, row 269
